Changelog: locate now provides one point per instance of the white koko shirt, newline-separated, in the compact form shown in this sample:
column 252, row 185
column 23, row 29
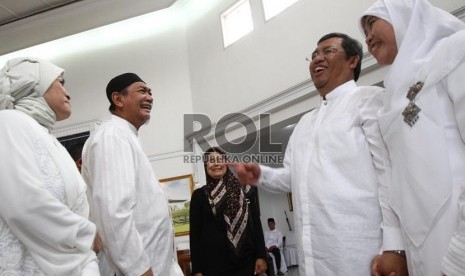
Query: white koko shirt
column 273, row 237
column 329, row 167
column 127, row 203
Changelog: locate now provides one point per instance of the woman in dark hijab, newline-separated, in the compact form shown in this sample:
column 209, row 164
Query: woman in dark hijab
column 226, row 236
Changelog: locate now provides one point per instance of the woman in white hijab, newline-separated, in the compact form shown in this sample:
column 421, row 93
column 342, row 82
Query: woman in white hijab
column 43, row 206
column 423, row 126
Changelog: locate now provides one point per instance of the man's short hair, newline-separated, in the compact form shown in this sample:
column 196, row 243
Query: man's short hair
column 270, row 220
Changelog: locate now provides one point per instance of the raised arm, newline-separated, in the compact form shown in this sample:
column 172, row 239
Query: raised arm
column 247, row 173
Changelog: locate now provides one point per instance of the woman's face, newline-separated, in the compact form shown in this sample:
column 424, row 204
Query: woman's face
column 58, row 99
column 380, row 39
column 216, row 167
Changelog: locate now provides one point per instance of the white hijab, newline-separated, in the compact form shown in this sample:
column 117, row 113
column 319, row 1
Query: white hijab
column 430, row 45
column 23, row 83
column 420, row 31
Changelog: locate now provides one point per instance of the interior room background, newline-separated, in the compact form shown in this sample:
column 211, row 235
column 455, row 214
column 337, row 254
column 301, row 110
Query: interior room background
column 179, row 52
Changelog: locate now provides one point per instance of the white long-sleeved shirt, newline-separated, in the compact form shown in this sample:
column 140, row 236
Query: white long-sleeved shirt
column 273, row 238
column 334, row 166
column 44, row 228
column 127, row 203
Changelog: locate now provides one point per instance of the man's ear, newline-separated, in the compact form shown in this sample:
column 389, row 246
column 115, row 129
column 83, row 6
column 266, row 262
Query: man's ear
column 117, row 99
column 354, row 61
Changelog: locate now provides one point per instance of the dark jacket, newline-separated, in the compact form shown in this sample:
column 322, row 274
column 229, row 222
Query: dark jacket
column 209, row 245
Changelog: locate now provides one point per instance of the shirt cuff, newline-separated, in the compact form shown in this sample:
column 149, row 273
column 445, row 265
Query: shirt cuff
column 392, row 239
column 264, row 175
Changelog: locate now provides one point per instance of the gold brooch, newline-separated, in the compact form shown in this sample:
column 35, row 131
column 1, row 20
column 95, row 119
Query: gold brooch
column 410, row 113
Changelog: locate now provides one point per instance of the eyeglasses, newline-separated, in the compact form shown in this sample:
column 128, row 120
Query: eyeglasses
column 324, row 53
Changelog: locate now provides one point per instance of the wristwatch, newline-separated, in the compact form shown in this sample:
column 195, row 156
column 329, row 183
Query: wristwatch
column 398, row 252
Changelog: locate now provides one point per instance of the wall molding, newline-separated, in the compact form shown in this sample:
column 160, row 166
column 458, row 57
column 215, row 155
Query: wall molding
column 91, row 125
column 460, row 13
column 286, row 98
column 168, row 155
column 76, row 128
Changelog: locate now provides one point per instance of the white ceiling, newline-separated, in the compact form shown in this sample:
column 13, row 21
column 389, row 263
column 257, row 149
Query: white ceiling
column 24, row 23
column 12, row 10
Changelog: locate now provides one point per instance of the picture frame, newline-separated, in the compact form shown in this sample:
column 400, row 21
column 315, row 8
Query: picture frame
column 289, row 202
column 178, row 191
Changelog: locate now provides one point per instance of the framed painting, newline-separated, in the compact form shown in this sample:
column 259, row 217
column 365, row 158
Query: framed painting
column 178, row 191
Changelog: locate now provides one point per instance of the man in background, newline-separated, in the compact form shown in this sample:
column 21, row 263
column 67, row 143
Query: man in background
column 76, row 153
column 274, row 241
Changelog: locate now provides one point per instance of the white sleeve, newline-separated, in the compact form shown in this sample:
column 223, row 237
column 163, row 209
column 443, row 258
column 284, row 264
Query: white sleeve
column 453, row 263
column 110, row 169
column 280, row 239
column 59, row 240
column 371, row 102
column 277, row 180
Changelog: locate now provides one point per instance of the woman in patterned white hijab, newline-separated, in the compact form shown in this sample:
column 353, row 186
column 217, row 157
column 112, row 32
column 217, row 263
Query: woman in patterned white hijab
column 423, row 125
column 43, row 206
